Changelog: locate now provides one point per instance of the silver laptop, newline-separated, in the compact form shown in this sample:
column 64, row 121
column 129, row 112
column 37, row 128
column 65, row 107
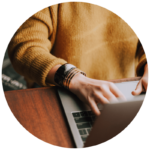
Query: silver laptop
column 87, row 129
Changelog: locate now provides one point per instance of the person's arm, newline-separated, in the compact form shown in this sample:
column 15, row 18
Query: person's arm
column 51, row 74
column 29, row 49
column 90, row 91
column 141, row 70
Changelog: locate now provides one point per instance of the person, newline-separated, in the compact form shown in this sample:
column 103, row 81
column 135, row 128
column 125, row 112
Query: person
column 51, row 46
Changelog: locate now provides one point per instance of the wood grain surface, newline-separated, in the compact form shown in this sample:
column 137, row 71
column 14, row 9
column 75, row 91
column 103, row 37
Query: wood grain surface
column 39, row 110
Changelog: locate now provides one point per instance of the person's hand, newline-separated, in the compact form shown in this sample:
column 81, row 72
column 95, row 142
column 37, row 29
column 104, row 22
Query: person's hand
column 92, row 91
column 142, row 84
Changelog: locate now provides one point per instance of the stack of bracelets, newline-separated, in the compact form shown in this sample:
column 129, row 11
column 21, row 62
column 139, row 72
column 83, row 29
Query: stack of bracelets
column 65, row 73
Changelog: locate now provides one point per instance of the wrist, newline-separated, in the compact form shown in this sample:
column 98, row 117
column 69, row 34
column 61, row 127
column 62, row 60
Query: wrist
column 77, row 82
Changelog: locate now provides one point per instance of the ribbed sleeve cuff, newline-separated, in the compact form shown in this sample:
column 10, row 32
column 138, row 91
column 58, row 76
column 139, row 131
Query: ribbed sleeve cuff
column 53, row 63
column 44, row 69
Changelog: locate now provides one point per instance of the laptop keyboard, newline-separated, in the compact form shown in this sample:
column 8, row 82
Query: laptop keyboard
column 84, row 121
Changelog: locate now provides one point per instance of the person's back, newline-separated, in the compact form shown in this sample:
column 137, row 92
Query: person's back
column 90, row 37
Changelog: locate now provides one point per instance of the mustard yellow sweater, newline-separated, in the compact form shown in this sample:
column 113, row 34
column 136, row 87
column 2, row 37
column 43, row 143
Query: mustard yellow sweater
column 88, row 36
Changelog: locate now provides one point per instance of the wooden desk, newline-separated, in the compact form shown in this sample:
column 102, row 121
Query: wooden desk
column 39, row 110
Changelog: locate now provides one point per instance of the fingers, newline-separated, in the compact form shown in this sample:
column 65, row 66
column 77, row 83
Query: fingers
column 94, row 107
column 103, row 100
column 100, row 98
column 144, row 83
column 117, row 92
column 138, row 89
column 144, row 88
column 108, row 96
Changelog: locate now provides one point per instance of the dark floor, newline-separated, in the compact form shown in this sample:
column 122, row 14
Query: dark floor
column 11, row 80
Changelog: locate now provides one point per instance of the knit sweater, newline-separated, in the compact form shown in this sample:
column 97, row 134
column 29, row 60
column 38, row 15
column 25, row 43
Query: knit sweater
column 90, row 37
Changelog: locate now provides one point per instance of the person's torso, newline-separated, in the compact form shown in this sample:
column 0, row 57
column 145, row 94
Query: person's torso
column 95, row 40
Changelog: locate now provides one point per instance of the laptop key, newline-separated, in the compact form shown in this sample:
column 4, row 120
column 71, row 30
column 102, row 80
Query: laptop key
column 76, row 114
column 82, row 132
column 83, row 119
column 83, row 125
column 84, row 113
column 90, row 113
column 84, row 138
column 89, row 129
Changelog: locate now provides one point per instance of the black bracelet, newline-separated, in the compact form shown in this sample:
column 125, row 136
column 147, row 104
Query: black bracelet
column 63, row 72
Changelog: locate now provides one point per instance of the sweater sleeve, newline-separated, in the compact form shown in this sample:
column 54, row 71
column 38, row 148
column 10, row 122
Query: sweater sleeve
column 29, row 49
column 141, row 57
